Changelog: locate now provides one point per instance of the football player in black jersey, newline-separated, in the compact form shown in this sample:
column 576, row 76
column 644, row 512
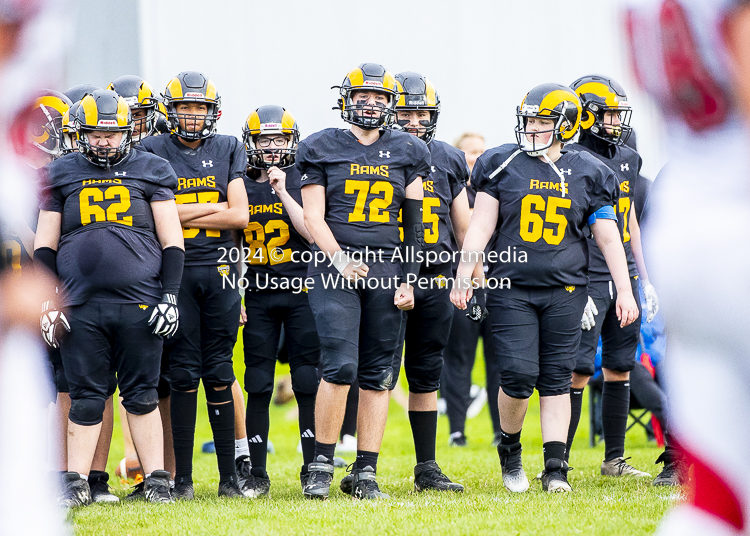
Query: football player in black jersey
column 109, row 229
column 140, row 97
column 143, row 105
column 540, row 198
column 426, row 328
column 274, row 244
column 46, row 122
column 354, row 182
column 211, row 201
column 605, row 127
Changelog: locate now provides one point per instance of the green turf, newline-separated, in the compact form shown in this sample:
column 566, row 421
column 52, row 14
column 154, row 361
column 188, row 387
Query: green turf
column 597, row 506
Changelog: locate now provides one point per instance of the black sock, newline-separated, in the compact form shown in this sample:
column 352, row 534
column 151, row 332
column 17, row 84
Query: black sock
column 349, row 426
column 509, row 439
column 95, row 476
column 324, row 449
column 183, row 408
column 221, row 418
column 365, row 458
column 553, row 449
column 615, row 406
column 306, row 406
column 257, row 424
column 424, row 431
column 576, row 401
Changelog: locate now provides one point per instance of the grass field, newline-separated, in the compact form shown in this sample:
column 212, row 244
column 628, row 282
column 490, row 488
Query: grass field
column 598, row 505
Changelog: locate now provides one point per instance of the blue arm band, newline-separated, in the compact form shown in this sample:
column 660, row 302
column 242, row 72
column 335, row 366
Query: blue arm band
column 604, row 213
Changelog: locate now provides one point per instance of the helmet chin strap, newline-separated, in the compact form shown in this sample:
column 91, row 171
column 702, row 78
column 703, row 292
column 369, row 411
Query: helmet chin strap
column 563, row 187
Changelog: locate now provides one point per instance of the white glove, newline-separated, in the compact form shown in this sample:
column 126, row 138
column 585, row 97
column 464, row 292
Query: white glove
column 652, row 300
column 166, row 317
column 588, row 322
column 50, row 319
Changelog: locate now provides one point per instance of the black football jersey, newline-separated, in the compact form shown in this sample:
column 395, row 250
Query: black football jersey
column 272, row 246
column 15, row 256
column 448, row 176
column 626, row 164
column 365, row 184
column 108, row 249
column 541, row 237
column 203, row 176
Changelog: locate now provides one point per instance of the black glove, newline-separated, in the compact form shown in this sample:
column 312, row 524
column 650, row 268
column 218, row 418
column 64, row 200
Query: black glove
column 166, row 317
column 476, row 309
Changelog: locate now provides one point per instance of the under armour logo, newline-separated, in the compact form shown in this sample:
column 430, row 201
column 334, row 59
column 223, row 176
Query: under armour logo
column 568, row 171
column 387, row 154
column 210, row 163
column 432, row 169
column 120, row 173
column 304, row 177
column 625, row 167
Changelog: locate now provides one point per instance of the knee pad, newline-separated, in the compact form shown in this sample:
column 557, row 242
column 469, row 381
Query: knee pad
column 220, row 374
column 163, row 390
column 182, row 380
column 143, row 403
column 305, row 380
column 555, row 380
column 344, row 375
column 258, row 381
column 424, row 378
column 218, row 396
column 86, row 411
column 517, row 385
column 377, row 382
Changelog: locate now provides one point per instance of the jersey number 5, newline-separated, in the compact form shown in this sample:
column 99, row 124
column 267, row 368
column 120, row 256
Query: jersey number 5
column 198, row 197
column 378, row 206
column 532, row 223
column 93, row 212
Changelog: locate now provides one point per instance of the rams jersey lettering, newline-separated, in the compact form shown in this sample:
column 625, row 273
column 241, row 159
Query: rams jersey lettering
column 108, row 249
column 273, row 245
column 542, row 218
column 365, row 184
column 447, row 179
column 203, row 176
column 626, row 163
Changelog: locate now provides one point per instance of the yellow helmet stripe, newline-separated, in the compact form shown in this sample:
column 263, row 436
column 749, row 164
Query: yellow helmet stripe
column 122, row 112
column 210, row 91
column 50, row 101
column 91, row 113
column 389, row 82
column 144, row 92
column 553, row 98
column 356, row 77
column 287, row 122
column 431, row 94
column 175, row 88
column 253, row 122
column 601, row 90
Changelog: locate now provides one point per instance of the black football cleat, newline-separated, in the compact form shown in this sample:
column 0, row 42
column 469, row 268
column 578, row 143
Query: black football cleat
column 76, row 491
column 100, row 490
column 427, row 475
column 319, row 477
column 156, row 487
column 364, row 485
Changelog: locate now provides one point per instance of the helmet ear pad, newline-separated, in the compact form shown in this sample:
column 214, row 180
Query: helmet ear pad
column 588, row 119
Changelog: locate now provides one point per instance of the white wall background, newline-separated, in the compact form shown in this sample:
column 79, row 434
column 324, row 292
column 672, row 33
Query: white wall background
column 482, row 55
